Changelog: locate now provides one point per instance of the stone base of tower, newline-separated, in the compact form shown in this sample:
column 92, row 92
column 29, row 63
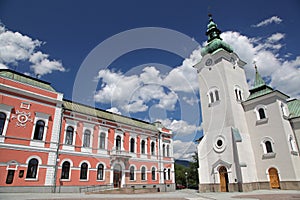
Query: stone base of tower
column 246, row 187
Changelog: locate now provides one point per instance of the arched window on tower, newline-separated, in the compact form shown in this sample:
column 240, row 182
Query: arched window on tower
column 213, row 96
column 261, row 113
column 268, row 148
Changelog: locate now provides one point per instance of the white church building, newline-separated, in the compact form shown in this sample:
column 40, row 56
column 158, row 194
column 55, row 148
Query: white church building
column 251, row 137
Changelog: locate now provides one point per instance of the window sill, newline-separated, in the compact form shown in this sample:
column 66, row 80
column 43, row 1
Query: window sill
column 100, row 180
column 65, row 180
column 31, row 179
column 81, row 180
column 295, row 153
column 214, row 104
column 269, row 155
column 262, row 121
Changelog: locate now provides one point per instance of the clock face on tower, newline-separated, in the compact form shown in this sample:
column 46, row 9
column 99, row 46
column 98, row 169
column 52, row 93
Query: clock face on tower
column 208, row 62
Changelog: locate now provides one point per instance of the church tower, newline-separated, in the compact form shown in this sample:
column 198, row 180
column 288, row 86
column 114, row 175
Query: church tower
column 226, row 159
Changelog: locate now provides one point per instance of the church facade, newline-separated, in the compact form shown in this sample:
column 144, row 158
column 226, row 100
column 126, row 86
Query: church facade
column 49, row 144
column 251, row 137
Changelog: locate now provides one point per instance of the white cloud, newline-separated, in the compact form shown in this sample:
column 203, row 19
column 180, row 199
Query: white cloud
column 180, row 127
column 41, row 65
column 184, row 150
column 274, row 19
column 15, row 47
column 283, row 73
column 2, row 66
column 191, row 101
column 114, row 110
column 276, row 37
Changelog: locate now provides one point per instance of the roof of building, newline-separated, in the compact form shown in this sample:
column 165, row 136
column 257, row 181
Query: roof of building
column 22, row 78
column 294, row 108
column 77, row 107
column 214, row 41
column 260, row 87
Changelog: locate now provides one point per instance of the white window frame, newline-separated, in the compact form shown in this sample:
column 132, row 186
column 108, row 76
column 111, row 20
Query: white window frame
column 73, row 124
column 155, row 174
column 103, row 130
column 238, row 93
column 44, row 117
column 258, row 119
column 6, row 109
column 70, row 172
column 293, row 145
column 119, row 133
column 212, row 100
column 38, row 168
column 134, row 175
column 104, row 169
column 146, row 178
column 267, row 155
column 88, row 170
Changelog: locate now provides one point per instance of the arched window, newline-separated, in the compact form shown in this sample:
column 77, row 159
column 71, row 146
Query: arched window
column 102, row 141
column 153, row 173
column 100, row 172
column 118, row 142
column 143, row 173
column 269, row 147
column 169, row 174
column 164, row 150
column 211, row 97
column 236, row 94
column 132, row 144
column 65, row 170
column 2, row 122
column 152, row 148
column 293, row 144
column 168, row 151
column 143, row 147
column 86, row 138
column 32, row 168
column 131, row 173
column 261, row 113
column 39, row 130
column 217, row 95
column 83, row 171
column 165, row 174
column 69, row 135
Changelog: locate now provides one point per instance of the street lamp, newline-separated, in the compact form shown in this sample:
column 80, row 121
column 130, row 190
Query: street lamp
column 186, row 180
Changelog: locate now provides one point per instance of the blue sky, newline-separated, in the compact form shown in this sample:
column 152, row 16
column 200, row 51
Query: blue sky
column 153, row 78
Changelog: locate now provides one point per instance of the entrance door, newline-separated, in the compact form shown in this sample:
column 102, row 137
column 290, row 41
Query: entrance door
column 274, row 178
column 117, row 176
column 223, row 179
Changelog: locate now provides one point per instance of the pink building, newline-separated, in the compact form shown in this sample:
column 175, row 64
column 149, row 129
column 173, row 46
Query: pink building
column 51, row 144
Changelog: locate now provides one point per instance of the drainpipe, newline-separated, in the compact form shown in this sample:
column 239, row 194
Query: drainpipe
column 57, row 150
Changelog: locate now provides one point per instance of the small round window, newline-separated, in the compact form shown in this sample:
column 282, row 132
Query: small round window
column 220, row 144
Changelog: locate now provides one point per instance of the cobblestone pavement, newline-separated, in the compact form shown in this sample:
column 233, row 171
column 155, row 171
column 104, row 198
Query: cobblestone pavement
column 177, row 195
